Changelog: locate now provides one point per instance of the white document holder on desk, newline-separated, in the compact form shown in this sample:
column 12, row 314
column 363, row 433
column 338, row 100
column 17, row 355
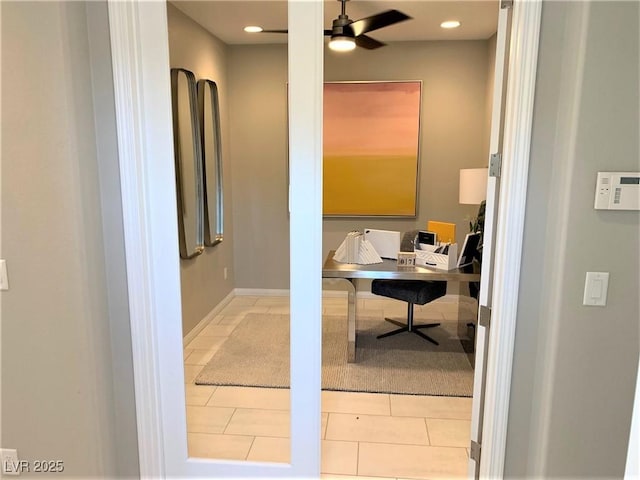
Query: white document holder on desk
column 386, row 242
column 439, row 261
column 355, row 249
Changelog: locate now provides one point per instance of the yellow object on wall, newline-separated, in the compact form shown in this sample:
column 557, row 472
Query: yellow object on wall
column 446, row 232
column 360, row 185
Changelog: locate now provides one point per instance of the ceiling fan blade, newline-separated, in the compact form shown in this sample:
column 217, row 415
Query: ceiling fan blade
column 328, row 32
column 380, row 20
column 367, row 42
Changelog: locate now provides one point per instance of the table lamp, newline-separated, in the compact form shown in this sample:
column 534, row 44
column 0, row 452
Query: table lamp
column 473, row 191
column 473, row 185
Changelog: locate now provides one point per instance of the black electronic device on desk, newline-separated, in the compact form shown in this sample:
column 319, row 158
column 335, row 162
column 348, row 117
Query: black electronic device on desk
column 469, row 249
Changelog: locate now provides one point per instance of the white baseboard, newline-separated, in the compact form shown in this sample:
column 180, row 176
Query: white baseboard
column 207, row 318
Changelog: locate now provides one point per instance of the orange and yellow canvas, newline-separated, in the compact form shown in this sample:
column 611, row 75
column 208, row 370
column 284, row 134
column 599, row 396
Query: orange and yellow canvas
column 371, row 133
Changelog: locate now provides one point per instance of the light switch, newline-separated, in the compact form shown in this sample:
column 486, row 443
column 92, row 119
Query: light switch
column 595, row 289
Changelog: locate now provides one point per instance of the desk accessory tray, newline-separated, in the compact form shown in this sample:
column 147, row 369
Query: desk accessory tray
column 440, row 261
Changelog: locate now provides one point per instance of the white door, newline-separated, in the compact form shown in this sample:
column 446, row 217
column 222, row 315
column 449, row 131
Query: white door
column 488, row 250
column 139, row 41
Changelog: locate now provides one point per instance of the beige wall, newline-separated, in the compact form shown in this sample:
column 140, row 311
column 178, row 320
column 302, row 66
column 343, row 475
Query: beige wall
column 453, row 117
column 66, row 360
column 202, row 278
column 575, row 366
column 454, row 96
column 258, row 121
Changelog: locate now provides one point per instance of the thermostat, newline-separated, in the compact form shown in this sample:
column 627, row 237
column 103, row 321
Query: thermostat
column 618, row 191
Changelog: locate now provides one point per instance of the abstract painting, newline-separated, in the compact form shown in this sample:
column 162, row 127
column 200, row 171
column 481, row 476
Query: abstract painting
column 371, row 136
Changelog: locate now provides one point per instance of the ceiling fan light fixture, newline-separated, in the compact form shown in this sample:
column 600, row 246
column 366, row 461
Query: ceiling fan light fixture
column 342, row 43
column 450, row 24
column 252, row 29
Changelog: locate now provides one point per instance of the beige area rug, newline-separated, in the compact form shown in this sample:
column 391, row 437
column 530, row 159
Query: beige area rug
column 257, row 354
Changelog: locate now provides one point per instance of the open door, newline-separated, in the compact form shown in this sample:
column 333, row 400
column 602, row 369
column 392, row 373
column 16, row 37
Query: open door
column 488, row 250
column 140, row 56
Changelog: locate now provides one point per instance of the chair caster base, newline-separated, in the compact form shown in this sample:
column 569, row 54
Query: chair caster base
column 414, row 329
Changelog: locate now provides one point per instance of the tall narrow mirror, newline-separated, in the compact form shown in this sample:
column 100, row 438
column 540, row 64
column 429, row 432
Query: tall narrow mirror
column 187, row 151
column 209, row 110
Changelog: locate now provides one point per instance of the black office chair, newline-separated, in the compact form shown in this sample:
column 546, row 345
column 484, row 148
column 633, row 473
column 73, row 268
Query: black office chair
column 413, row 292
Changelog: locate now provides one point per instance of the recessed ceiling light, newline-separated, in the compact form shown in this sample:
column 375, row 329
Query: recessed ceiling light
column 253, row 29
column 450, row 24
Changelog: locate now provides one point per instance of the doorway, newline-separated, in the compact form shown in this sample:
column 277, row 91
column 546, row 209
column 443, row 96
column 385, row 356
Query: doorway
column 453, row 77
column 170, row 347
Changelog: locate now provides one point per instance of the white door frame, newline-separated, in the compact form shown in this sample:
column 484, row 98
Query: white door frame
column 140, row 64
column 485, row 296
column 523, row 60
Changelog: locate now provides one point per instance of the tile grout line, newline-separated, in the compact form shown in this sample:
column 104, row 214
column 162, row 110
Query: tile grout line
column 206, row 404
column 224, row 430
column 407, row 444
column 250, row 447
column 426, row 426
column 326, row 430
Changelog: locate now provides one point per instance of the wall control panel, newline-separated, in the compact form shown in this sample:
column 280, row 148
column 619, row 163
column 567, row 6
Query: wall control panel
column 618, row 191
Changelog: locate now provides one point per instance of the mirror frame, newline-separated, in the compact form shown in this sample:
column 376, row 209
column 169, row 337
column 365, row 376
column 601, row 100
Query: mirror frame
column 185, row 251
column 213, row 192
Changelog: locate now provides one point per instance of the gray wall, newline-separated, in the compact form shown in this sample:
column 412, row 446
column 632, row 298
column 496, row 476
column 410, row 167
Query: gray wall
column 67, row 390
column 453, row 131
column 202, row 278
column 258, row 126
column 575, row 366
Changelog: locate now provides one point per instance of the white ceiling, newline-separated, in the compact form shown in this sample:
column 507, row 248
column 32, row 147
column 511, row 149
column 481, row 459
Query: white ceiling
column 227, row 18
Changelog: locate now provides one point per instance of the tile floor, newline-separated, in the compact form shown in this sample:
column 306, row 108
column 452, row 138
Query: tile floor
column 363, row 434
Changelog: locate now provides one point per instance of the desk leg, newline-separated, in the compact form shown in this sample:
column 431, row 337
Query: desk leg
column 351, row 287
column 351, row 321
column 467, row 321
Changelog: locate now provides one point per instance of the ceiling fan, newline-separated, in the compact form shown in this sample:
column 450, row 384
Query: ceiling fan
column 346, row 33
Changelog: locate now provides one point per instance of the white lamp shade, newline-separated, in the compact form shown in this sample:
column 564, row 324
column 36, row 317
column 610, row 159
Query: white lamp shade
column 473, row 185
